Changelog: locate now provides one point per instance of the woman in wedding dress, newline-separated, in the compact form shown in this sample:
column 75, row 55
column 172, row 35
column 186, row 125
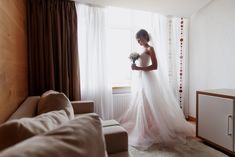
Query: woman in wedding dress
column 154, row 115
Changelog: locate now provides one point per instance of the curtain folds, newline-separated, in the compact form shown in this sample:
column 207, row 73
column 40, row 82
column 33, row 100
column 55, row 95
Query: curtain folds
column 178, row 60
column 168, row 37
column 53, row 47
column 170, row 40
column 95, row 79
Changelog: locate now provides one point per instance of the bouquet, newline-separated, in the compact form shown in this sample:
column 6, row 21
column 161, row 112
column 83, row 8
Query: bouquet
column 134, row 56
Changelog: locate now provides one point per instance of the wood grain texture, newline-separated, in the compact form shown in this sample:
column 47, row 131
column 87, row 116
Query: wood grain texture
column 13, row 56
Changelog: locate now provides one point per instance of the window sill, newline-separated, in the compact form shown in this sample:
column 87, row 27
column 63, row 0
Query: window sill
column 121, row 89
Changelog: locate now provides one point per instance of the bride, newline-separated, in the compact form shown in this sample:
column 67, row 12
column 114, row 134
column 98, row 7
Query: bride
column 154, row 115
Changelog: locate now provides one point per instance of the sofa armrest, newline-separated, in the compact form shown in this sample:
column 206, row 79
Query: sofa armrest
column 80, row 107
column 26, row 109
column 116, row 139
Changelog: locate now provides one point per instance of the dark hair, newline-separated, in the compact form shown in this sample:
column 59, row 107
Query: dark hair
column 142, row 33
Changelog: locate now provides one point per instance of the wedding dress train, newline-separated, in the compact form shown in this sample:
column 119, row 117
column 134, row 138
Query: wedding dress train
column 154, row 115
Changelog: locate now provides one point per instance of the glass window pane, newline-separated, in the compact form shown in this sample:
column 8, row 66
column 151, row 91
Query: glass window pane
column 118, row 17
column 119, row 48
column 141, row 20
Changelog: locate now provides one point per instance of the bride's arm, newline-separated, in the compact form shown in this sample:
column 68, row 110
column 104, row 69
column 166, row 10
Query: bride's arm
column 154, row 64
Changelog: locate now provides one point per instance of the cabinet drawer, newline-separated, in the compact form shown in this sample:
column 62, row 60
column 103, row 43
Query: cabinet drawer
column 215, row 120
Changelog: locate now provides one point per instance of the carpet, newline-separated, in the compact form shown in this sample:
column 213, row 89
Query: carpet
column 193, row 148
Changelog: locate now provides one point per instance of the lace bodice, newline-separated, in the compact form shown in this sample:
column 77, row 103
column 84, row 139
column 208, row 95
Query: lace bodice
column 144, row 59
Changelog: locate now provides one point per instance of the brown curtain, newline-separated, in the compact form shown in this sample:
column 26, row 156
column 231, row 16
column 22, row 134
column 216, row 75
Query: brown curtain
column 53, row 48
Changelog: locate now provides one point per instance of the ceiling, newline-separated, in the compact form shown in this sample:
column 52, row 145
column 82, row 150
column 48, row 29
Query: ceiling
column 180, row 8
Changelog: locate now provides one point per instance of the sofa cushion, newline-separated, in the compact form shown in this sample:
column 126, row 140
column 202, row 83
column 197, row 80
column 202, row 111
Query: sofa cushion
column 14, row 131
column 52, row 100
column 111, row 122
column 80, row 137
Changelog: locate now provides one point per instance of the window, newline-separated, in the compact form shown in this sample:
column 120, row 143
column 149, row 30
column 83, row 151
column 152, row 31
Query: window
column 121, row 26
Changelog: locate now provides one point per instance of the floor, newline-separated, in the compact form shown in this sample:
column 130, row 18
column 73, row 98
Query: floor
column 193, row 121
column 195, row 147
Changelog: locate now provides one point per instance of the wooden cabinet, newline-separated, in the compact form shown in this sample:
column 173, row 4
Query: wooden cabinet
column 216, row 118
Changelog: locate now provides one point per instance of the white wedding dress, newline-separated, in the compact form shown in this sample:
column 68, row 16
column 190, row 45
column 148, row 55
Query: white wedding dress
column 154, row 115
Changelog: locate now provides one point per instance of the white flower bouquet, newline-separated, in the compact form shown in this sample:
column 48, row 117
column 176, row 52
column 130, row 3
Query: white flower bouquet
column 134, row 56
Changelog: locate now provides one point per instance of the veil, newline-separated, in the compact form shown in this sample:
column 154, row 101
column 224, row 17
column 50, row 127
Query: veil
column 154, row 115
column 162, row 70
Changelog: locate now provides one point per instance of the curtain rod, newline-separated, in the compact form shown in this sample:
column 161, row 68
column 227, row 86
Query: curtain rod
column 103, row 6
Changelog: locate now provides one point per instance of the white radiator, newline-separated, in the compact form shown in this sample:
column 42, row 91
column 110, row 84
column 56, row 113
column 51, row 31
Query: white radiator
column 121, row 102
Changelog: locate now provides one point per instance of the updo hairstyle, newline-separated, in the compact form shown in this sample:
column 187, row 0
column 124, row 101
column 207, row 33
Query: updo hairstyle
column 142, row 33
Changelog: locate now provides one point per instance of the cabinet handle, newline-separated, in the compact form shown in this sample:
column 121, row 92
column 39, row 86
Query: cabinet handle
column 228, row 129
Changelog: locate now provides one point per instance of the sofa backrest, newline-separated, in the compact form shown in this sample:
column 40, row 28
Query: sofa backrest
column 27, row 108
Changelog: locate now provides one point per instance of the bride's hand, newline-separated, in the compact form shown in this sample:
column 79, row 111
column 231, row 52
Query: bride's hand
column 133, row 67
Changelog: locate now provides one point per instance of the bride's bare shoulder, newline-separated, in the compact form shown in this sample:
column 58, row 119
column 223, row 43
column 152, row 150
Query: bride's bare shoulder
column 150, row 50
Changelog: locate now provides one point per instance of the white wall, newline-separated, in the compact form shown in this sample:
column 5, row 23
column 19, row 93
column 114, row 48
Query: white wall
column 211, row 49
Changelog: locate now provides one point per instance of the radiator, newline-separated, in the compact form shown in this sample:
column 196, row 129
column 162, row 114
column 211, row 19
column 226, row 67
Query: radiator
column 121, row 102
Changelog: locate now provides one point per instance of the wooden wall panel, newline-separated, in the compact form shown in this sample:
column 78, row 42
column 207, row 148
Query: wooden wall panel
column 13, row 56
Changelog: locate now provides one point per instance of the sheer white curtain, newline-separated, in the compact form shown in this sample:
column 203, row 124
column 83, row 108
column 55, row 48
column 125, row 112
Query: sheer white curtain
column 178, row 60
column 170, row 38
column 95, row 83
column 166, row 37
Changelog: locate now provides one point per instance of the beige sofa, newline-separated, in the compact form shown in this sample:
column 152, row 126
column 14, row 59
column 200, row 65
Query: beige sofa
column 116, row 138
